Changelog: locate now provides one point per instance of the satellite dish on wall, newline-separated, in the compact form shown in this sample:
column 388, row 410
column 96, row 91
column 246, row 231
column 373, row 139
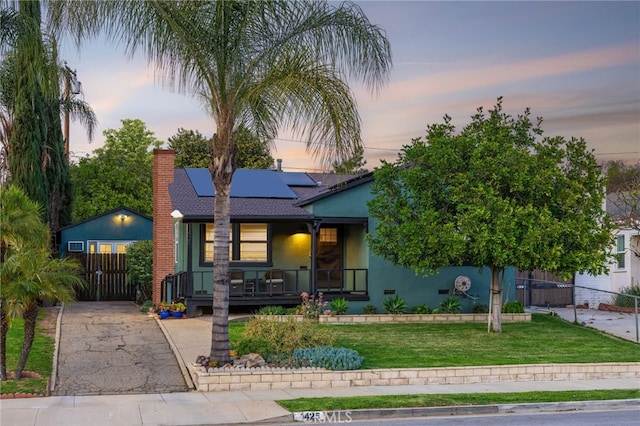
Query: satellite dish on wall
column 462, row 284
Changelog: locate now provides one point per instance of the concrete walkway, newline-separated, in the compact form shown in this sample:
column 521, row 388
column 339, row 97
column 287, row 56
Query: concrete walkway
column 191, row 337
column 618, row 324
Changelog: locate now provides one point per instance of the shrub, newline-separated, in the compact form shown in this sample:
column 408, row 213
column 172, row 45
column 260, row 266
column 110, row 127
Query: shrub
column 394, row 305
column 286, row 361
column 420, row 309
column 479, row 308
column 369, row 309
column 513, row 307
column 330, row 358
column 450, row 305
column 148, row 304
column 292, row 311
column 339, row 306
column 254, row 345
column 624, row 300
column 271, row 310
column 285, row 336
column 140, row 269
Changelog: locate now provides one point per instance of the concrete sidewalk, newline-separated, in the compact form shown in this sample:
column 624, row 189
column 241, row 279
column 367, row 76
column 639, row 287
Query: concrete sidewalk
column 191, row 337
column 211, row 408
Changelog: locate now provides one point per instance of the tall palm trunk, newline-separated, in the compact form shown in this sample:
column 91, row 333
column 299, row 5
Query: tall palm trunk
column 221, row 172
column 30, row 316
column 4, row 329
column 496, row 299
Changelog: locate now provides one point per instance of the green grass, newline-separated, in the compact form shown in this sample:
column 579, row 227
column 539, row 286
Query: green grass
column 40, row 360
column 447, row 400
column 546, row 339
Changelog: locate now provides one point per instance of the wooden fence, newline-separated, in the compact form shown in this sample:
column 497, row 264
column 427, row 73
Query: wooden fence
column 105, row 277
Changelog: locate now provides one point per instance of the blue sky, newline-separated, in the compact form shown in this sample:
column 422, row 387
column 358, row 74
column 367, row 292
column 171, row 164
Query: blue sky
column 576, row 64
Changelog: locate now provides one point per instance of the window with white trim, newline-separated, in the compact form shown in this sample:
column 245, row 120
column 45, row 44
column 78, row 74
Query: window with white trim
column 621, row 252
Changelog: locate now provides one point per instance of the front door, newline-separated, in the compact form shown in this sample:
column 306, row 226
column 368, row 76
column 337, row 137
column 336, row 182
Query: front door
column 329, row 259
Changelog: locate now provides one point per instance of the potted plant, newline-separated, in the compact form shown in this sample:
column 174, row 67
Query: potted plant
column 163, row 310
column 178, row 309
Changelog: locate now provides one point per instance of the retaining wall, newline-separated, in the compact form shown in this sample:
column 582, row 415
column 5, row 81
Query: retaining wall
column 308, row 378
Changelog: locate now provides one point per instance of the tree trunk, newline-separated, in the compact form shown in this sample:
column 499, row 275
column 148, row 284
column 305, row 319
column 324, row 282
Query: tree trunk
column 30, row 316
column 496, row 299
column 221, row 173
column 4, row 329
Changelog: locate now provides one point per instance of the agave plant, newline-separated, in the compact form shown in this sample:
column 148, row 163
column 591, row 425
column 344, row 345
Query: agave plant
column 394, row 305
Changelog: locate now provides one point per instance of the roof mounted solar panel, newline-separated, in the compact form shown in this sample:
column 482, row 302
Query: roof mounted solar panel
column 201, row 182
column 245, row 183
column 297, row 179
column 260, row 184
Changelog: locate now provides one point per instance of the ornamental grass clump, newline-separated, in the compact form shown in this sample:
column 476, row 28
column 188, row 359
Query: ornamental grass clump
column 285, row 336
column 626, row 299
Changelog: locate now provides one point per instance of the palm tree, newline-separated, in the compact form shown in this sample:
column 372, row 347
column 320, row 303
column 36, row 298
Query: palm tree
column 262, row 65
column 28, row 272
column 19, row 224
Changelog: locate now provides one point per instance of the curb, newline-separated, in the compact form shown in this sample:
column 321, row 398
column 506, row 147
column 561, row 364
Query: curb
column 390, row 413
column 183, row 369
column 56, row 353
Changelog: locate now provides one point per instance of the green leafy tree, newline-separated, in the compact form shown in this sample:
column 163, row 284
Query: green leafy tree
column 251, row 151
column 496, row 194
column 30, row 107
column 118, row 174
column 621, row 176
column 140, row 264
column 194, row 150
column 259, row 64
column 28, row 272
column 352, row 166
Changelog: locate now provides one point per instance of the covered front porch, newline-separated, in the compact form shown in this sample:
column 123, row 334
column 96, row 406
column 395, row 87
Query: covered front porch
column 262, row 287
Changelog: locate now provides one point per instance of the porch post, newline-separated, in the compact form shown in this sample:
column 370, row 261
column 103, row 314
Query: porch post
column 315, row 227
column 189, row 260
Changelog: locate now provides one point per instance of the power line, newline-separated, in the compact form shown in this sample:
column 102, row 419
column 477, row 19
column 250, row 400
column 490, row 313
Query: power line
column 325, row 143
column 371, row 148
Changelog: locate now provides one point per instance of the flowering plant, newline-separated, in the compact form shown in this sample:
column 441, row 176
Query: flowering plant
column 311, row 307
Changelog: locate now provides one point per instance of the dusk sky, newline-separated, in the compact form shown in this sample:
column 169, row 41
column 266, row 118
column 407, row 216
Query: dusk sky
column 576, row 64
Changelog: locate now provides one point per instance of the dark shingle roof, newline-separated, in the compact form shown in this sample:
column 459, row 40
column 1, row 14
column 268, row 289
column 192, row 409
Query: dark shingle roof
column 184, row 198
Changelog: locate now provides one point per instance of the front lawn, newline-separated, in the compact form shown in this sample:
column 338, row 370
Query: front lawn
column 40, row 359
column 546, row 339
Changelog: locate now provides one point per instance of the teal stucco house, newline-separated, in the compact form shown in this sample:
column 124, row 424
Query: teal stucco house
column 291, row 232
column 110, row 232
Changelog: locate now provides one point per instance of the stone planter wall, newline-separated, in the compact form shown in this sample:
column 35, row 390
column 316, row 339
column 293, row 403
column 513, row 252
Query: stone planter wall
column 280, row 378
column 390, row 319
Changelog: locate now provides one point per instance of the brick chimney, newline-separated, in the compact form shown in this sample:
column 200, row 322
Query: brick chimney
column 163, row 261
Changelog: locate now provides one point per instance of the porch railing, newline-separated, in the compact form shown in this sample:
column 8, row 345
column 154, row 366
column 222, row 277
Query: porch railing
column 199, row 284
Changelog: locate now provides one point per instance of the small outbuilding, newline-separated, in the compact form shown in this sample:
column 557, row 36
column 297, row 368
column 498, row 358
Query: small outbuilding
column 107, row 233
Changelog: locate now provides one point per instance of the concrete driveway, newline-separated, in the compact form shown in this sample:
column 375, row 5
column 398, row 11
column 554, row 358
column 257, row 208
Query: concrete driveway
column 617, row 323
column 108, row 348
